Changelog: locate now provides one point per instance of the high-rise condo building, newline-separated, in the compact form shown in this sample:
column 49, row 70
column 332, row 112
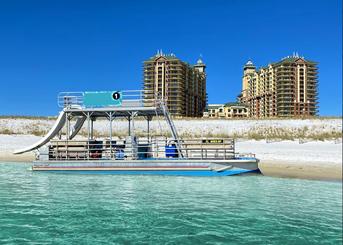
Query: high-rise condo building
column 181, row 85
column 287, row 88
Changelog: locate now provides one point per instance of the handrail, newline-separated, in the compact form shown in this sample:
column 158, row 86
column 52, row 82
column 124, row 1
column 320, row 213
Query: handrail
column 97, row 150
column 70, row 99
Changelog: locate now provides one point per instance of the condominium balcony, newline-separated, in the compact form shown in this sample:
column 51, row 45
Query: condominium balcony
column 285, row 88
column 285, row 78
column 312, row 107
column 280, row 75
column 176, row 99
column 311, row 85
column 285, row 68
column 286, row 110
column 312, row 100
column 284, row 101
column 148, row 85
column 284, row 83
column 312, row 73
column 174, row 68
column 312, row 92
column 284, row 73
column 312, row 80
column 285, row 95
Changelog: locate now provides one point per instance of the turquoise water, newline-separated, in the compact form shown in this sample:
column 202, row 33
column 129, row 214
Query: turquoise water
column 45, row 208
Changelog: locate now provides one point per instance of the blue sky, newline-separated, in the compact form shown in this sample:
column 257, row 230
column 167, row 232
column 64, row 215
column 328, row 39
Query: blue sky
column 52, row 46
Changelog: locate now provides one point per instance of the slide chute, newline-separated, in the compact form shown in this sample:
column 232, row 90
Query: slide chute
column 61, row 120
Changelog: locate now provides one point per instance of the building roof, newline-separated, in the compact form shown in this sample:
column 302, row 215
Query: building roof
column 167, row 57
column 174, row 58
column 235, row 104
column 287, row 60
column 292, row 59
column 249, row 64
column 214, row 106
column 199, row 63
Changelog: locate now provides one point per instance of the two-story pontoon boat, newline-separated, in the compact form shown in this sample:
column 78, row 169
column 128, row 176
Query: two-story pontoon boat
column 61, row 151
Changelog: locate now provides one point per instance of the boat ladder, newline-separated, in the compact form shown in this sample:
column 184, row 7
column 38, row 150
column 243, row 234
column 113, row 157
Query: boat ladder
column 172, row 127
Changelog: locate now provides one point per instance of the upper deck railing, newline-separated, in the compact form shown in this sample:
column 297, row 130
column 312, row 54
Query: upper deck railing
column 100, row 99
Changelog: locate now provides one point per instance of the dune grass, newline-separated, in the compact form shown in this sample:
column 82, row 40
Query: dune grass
column 319, row 129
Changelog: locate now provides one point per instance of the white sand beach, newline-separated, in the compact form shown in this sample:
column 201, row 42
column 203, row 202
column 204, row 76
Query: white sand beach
column 311, row 160
column 300, row 158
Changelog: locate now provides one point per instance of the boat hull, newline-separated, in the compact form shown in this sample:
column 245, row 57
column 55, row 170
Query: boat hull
column 208, row 173
column 173, row 167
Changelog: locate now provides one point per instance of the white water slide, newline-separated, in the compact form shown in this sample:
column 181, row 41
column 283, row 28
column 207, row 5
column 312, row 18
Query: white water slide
column 61, row 120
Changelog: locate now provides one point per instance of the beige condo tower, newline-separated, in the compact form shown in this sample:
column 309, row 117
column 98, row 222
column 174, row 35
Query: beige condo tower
column 287, row 88
column 181, row 85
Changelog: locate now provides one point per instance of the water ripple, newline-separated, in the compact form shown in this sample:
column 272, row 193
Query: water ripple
column 43, row 208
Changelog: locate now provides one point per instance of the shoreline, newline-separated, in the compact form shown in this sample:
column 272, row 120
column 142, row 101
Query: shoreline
column 311, row 160
column 301, row 170
column 10, row 157
column 329, row 171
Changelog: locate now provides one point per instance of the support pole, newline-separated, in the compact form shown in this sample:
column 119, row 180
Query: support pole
column 67, row 134
column 133, row 122
column 88, row 126
column 92, row 133
column 110, row 117
column 129, row 119
column 148, row 122
column 68, row 126
column 148, row 118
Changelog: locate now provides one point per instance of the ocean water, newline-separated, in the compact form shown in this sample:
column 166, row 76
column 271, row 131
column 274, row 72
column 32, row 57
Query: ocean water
column 46, row 208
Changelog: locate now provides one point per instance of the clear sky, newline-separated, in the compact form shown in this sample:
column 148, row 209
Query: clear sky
column 52, row 46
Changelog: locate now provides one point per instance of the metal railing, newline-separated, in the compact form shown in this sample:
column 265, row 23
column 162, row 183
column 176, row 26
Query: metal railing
column 130, row 98
column 70, row 99
column 121, row 149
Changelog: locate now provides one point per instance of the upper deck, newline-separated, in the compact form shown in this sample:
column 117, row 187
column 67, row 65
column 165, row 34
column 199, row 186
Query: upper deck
column 119, row 103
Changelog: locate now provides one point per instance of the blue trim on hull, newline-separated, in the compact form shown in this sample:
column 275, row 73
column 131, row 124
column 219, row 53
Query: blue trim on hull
column 155, row 172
